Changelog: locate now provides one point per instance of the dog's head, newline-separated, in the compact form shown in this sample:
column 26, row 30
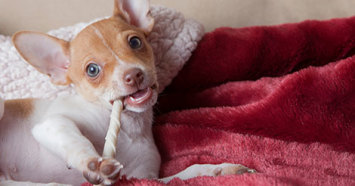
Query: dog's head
column 108, row 60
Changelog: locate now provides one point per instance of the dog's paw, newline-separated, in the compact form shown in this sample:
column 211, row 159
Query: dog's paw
column 92, row 173
column 102, row 170
column 229, row 169
column 110, row 170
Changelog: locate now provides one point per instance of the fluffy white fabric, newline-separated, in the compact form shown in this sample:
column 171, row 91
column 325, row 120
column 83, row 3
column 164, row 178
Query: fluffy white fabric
column 173, row 39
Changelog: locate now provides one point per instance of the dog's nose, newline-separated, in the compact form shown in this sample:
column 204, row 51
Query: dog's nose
column 133, row 77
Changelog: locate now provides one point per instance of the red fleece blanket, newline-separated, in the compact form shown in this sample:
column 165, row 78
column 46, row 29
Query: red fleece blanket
column 277, row 99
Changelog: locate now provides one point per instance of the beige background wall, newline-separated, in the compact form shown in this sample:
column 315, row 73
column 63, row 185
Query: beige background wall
column 43, row 15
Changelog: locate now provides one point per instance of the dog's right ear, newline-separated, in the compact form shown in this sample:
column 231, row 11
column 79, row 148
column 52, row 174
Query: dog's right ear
column 47, row 54
column 135, row 12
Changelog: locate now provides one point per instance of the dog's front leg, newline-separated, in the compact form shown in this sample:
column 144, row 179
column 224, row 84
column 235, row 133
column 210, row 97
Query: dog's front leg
column 62, row 137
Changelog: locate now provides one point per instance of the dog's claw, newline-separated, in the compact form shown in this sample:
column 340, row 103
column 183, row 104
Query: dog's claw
column 236, row 169
column 251, row 171
column 228, row 169
column 93, row 178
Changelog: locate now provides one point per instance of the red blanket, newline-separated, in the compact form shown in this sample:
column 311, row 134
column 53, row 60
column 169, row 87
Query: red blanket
column 277, row 99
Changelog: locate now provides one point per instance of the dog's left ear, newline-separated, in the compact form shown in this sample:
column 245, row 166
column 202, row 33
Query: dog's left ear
column 46, row 53
column 135, row 12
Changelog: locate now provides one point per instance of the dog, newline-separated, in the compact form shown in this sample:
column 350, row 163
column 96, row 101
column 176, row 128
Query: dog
column 60, row 141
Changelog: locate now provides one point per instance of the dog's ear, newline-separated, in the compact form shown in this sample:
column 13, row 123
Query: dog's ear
column 47, row 54
column 135, row 12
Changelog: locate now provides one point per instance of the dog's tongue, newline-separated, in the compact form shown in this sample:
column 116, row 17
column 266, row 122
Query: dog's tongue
column 140, row 96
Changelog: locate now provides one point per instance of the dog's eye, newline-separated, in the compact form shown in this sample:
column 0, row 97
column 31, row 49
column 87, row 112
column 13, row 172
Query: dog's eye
column 93, row 70
column 135, row 42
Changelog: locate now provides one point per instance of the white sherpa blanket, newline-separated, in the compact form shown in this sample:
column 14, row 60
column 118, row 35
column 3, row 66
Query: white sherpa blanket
column 173, row 39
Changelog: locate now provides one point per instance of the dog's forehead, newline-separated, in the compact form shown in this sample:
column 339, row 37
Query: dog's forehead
column 106, row 38
column 107, row 29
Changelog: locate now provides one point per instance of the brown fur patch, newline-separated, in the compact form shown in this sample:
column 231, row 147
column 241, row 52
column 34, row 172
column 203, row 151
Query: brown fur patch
column 19, row 107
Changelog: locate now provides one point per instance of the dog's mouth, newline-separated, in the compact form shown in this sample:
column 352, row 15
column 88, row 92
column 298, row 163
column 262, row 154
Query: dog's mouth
column 138, row 98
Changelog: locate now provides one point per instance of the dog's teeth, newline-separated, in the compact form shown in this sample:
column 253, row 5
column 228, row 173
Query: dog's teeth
column 120, row 166
column 130, row 97
column 106, row 182
column 117, row 163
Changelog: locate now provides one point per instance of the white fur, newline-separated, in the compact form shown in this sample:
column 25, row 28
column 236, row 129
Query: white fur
column 73, row 129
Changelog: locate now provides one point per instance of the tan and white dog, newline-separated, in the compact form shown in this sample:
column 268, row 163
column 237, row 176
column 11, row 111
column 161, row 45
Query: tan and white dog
column 59, row 141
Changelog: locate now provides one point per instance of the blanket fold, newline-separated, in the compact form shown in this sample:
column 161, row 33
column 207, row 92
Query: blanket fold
column 230, row 54
column 279, row 99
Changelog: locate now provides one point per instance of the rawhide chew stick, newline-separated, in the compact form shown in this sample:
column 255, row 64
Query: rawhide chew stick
column 113, row 130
